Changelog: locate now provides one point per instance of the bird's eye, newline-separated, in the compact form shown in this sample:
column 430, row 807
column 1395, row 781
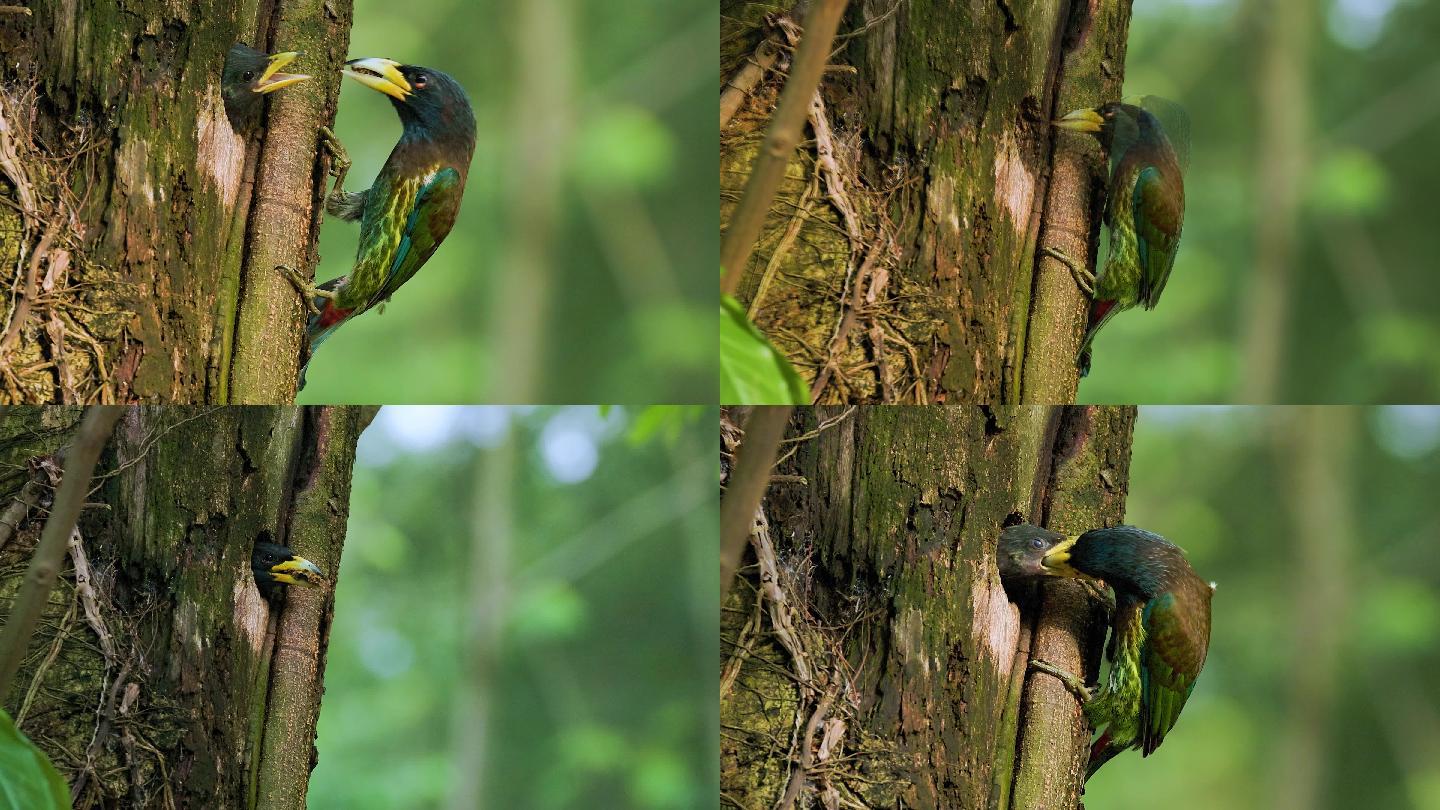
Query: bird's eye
column 247, row 75
column 420, row 81
column 1037, row 544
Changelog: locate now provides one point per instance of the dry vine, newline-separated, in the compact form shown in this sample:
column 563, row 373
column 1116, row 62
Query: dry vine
column 61, row 308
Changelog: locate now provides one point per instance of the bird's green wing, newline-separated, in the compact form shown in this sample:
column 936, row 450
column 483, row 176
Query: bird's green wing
column 1177, row 636
column 1158, row 210
column 429, row 221
column 405, row 220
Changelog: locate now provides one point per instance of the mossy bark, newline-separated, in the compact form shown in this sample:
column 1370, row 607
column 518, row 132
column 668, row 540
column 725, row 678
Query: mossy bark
column 123, row 134
column 884, row 528
column 941, row 118
column 193, row 702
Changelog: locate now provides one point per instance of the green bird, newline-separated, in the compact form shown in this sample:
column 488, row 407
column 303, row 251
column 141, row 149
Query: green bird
column 1160, row 627
column 411, row 206
column 275, row 565
column 1148, row 145
column 249, row 76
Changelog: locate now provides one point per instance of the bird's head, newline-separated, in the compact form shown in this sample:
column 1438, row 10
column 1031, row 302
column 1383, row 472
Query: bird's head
column 431, row 104
column 1030, row 551
column 277, row 565
column 249, row 75
column 1101, row 121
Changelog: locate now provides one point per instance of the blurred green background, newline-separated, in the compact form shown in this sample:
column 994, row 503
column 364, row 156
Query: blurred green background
column 1307, row 268
column 1322, row 686
column 582, row 265
column 525, row 613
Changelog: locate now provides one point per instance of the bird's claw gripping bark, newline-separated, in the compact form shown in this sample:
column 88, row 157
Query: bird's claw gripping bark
column 1071, row 681
column 339, row 158
column 1084, row 277
column 307, row 289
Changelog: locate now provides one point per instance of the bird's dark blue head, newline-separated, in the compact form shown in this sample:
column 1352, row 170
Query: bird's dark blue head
column 1150, row 121
column 432, row 105
column 1109, row 123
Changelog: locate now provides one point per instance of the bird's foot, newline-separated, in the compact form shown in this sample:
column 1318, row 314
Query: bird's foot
column 307, row 289
column 1084, row 277
column 1071, row 681
column 339, row 158
column 339, row 161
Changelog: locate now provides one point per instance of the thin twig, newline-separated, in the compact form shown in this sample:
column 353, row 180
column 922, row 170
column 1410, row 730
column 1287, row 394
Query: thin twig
column 745, row 79
column 797, row 221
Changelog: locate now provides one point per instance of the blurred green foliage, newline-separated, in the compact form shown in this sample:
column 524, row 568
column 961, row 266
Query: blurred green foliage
column 1363, row 297
column 1226, row 484
column 623, row 266
column 599, row 658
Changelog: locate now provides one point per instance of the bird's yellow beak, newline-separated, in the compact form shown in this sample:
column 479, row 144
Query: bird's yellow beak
column 1057, row 562
column 1081, row 121
column 379, row 74
column 298, row 571
column 272, row 80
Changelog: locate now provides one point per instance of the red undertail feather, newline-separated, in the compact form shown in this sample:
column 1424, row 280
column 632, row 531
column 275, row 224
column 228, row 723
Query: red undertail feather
column 1098, row 311
column 331, row 315
column 1098, row 748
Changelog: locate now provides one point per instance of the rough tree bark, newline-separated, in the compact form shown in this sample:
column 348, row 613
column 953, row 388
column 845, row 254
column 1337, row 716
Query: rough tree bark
column 159, row 677
column 900, row 263
column 884, row 664
column 131, row 223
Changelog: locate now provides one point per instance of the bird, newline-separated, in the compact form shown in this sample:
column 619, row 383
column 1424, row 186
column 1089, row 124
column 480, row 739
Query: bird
column 275, row 565
column 410, row 208
column 250, row 75
column 1159, row 634
column 1148, row 146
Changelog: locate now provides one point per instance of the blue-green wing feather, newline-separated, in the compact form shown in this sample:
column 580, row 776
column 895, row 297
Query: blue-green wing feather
column 1158, row 207
column 1175, row 646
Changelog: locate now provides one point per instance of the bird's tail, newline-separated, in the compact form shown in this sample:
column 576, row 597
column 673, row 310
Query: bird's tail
column 1100, row 313
column 321, row 325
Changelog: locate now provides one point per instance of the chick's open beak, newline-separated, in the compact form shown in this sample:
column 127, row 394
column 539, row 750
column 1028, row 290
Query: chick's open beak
column 272, row 80
column 298, row 571
column 1081, row 121
column 379, row 74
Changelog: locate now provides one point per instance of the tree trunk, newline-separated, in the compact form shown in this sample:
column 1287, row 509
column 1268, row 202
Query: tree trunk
column 143, row 247
column 156, row 678
column 883, row 661
column 900, row 263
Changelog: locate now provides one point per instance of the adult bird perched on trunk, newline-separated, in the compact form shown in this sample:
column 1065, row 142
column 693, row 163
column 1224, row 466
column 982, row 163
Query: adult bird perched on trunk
column 411, row 206
column 1160, row 626
column 275, row 565
column 249, row 76
column 1148, row 145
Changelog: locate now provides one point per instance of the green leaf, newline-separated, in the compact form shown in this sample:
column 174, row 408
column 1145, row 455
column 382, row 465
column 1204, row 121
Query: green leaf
column 27, row 779
column 753, row 372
